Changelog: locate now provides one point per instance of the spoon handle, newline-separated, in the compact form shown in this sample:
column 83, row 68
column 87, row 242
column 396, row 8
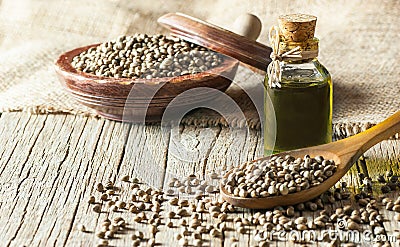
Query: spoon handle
column 356, row 145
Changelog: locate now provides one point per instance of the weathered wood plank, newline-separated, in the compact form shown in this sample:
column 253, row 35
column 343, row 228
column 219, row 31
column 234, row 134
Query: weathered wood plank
column 188, row 151
column 99, row 165
column 145, row 158
column 232, row 148
column 49, row 166
column 15, row 175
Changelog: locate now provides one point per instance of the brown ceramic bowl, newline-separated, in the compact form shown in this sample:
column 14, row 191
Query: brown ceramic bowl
column 127, row 99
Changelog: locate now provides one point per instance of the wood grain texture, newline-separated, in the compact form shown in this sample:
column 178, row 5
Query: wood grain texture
column 49, row 166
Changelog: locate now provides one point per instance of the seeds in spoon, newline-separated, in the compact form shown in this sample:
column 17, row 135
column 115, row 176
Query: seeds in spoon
column 278, row 176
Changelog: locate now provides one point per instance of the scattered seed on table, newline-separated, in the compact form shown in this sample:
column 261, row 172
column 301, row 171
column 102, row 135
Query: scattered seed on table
column 183, row 203
column 301, row 227
column 209, row 189
column 170, row 192
column 197, row 242
column 183, row 242
column 97, row 208
column 353, row 226
column 139, row 234
column 106, row 224
column 151, row 242
column 214, row 233
column 118, row 219
column 104, row 197
column 120, row 204
column 136, row 242
column 91, row 200
column 188, row 190
column 213, row 209
column 141, row 206
column 81, row 228
column 177, row 184
column 100, row 187
column 113, row 208
column 152, row 229
column 133, row 209
column 185, row 232
column 110, row 203
column 100, row 234
column 178, row 236
column 182, row 222
column 137, row 219
column 102, row 243
column 125, row 178
column 110, row 192
column 109, row 185
column 170, row 224
column 241, row 230
column 109, row 234
column 174, row 201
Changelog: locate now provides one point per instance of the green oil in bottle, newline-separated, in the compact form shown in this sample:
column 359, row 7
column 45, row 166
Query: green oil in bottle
column 298, row 88
column 303, row 115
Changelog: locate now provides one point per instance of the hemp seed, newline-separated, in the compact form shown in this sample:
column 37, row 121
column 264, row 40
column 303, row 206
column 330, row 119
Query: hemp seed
column 143, row 56
column 125, row 178
column 109, row 185
column 267, row 178
column 81, row 228
column 97, row 208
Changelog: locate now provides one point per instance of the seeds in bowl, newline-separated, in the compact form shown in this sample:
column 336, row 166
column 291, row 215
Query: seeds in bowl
column 146, row 56
column 278, row 176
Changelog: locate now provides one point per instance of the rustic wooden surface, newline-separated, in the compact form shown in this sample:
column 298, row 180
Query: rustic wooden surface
column 49, row 165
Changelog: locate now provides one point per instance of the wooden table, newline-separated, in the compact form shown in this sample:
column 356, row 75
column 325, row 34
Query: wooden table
column 49, row 165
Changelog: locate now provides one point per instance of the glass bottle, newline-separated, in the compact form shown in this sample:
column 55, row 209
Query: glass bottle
column 302, row 105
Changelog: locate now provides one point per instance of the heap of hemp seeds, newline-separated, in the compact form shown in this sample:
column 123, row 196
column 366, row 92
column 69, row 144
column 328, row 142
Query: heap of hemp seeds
column 278, row 176
column 145, row 56
column 131, row 210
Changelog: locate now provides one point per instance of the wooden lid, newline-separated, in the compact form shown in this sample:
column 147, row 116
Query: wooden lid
column 297, row 27
column 217, row 39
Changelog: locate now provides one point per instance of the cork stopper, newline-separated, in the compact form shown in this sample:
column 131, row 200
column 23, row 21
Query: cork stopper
column 297, row 27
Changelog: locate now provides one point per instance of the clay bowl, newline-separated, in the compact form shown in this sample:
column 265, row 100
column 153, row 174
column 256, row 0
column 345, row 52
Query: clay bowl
column 133, row 100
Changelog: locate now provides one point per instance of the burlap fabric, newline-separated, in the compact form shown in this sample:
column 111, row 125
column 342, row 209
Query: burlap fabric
column 360, row 45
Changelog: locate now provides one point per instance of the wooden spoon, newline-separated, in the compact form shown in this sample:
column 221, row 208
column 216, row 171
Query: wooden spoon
column 344, row 152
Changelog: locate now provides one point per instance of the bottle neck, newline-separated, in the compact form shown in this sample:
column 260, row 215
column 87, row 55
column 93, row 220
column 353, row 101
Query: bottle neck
column 309, row 49
column 309, row 60
column 307, row 45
